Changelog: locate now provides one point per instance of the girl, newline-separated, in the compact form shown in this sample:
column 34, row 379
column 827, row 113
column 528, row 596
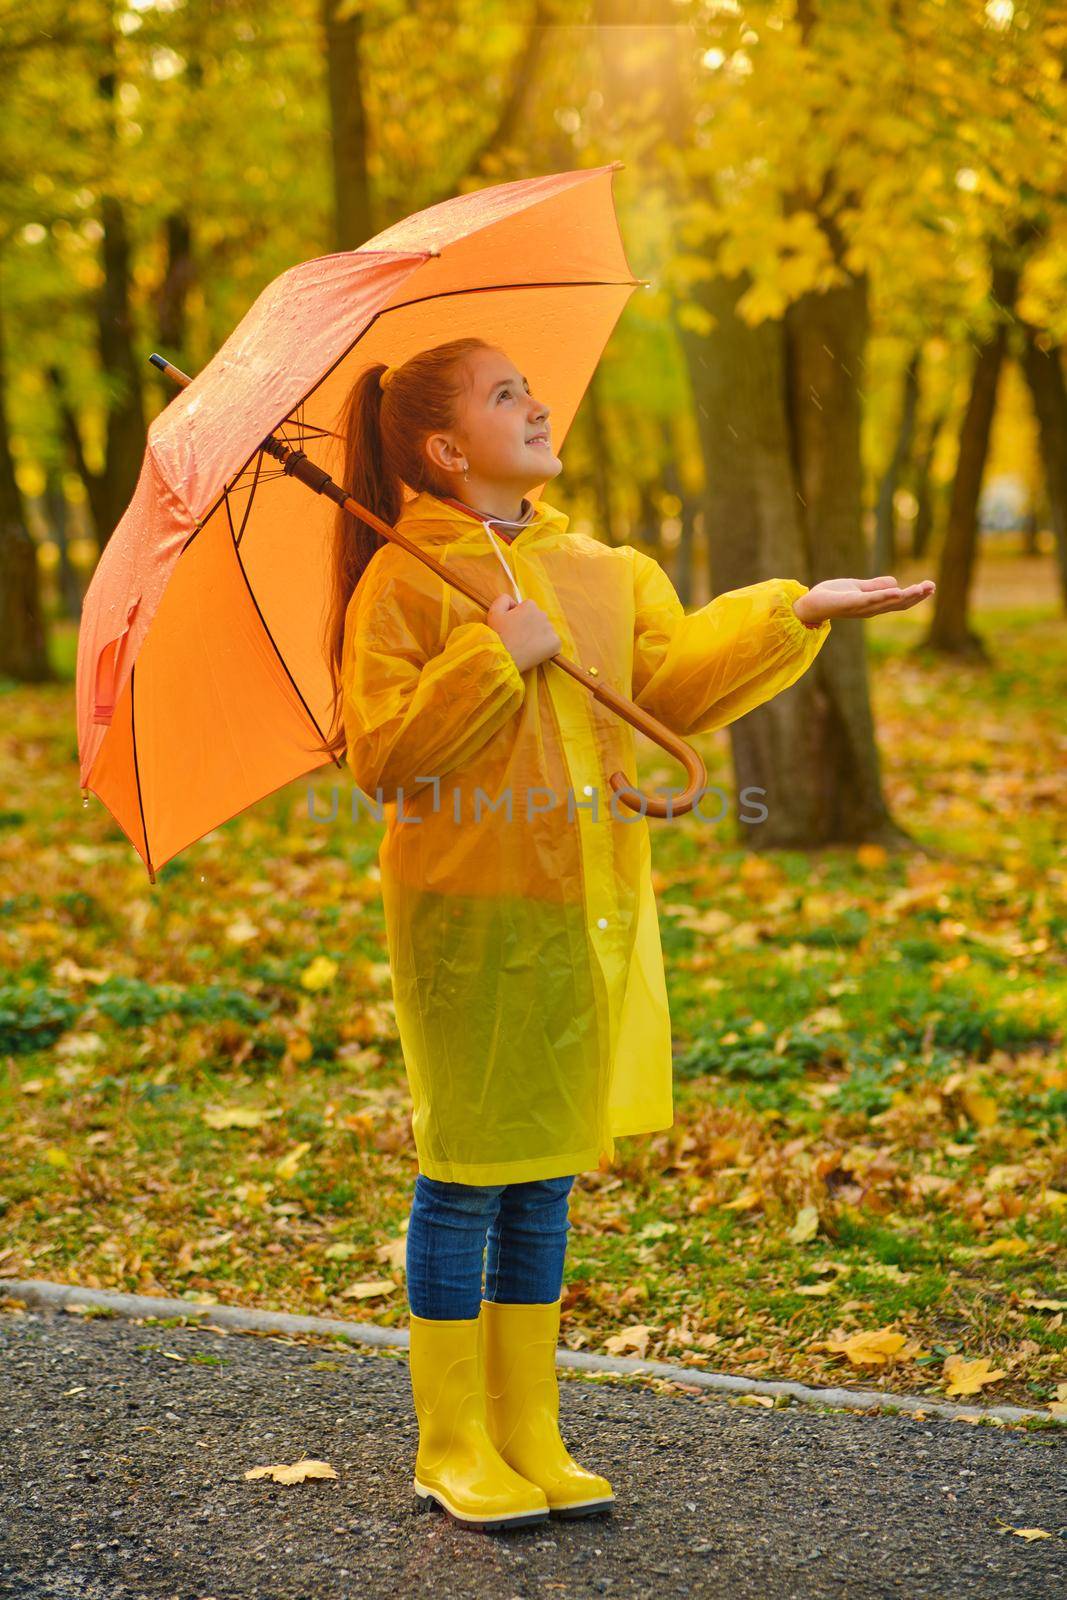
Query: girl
column 523, row 937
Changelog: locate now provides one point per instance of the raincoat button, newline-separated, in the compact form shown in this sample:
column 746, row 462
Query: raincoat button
column 588, row 789
column 601, row 922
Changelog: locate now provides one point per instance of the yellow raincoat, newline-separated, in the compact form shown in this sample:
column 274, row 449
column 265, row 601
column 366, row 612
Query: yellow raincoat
column 523, row 936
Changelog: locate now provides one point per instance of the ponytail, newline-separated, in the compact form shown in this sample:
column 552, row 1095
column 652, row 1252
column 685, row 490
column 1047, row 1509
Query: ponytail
column 384, row 431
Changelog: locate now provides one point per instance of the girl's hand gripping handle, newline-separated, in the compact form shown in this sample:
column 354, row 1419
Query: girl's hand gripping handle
column 525, row 629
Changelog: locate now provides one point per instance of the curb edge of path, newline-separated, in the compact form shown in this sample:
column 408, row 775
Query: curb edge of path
column 44, row 1293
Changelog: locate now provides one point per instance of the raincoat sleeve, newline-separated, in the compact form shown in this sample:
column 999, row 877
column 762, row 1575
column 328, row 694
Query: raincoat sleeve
column 413, row 708
column 699, row 671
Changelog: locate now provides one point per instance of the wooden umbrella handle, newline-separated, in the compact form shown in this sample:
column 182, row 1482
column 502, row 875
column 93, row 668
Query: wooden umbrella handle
column 296, row 464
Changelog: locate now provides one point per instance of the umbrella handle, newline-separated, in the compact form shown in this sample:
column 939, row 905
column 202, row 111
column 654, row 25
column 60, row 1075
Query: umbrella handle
column 296, row 464
column 652, row 728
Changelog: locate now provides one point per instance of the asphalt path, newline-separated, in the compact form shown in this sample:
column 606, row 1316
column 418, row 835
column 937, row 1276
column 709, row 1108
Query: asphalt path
column 124, row 1449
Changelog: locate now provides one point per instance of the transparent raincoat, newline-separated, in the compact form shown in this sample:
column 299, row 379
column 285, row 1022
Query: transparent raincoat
column 523, row 936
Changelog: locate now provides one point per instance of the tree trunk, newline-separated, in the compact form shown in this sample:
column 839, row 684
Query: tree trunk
column 92, row 482
column 348, row 124
column 125, row 440
column 125, row 434
column 950, row 631
column 68, row 583
column 924, row 490
column 23, row 647
column 1044, row 374
column 885, row 540
column 173, row 292
column 779, row 420
column 672, row 483
column 753, row 529
column 826, row 335
column 600, row 460
column 648, row 517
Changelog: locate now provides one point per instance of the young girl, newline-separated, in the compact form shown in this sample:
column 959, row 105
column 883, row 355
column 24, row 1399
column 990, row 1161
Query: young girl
column 523, row 937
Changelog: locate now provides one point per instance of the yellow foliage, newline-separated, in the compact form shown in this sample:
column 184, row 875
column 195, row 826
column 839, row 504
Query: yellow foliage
column 319, row 973
column 634, row 1339
column 878, row 1347
column 968, row 1377
column 296, row 1472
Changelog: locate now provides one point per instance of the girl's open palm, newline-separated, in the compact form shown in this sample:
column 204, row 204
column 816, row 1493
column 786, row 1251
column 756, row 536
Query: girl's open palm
column 859, row 597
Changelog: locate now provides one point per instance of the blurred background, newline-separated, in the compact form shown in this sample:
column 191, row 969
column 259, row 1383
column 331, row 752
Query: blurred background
column 853, row 215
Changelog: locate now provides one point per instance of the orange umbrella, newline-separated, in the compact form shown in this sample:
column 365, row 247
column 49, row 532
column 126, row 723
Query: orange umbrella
column 202, row 681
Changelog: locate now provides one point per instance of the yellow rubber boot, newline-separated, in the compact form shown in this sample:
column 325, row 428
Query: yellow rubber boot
column 457, row 1465
column 522, row 1405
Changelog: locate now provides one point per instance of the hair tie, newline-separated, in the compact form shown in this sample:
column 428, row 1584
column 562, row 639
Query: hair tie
column 386, row 377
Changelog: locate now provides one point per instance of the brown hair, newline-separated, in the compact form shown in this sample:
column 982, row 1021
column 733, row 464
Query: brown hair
column 384, row 431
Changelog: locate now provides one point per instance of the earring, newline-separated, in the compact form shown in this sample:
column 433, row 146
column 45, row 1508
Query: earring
column 466, row 477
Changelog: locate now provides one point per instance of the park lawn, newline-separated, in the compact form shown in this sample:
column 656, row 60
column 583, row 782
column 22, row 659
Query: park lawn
column 202, row 1093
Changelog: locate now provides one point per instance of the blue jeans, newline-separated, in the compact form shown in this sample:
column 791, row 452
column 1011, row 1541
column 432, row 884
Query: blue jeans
column 521, row 1227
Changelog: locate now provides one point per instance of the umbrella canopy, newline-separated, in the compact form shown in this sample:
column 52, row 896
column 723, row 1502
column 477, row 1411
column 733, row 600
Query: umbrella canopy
column 202, row 678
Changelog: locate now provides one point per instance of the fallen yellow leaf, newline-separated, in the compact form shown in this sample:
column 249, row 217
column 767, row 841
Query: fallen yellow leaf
column 710, row 922
column 236, row 1116
column 393, row 1254
column 319, row 974
column 824, row 1017
column 1012, row 1246
column 876, row 1347
column 980, row 1108
column 633, row 1338
column 295, row 1472
column 1025, row 1533
column 888, row 1269
column 368, row 1289
column 289, row 1165
column 806, row 1226
column 967, row 1377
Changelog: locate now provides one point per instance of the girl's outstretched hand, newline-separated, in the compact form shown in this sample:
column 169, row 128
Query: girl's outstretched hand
column 858, row 597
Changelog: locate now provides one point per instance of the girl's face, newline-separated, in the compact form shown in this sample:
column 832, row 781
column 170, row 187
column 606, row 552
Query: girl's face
column 503, row 435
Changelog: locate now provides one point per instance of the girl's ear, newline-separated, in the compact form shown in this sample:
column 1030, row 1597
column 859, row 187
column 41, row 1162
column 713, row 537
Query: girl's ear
column 440, row 450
